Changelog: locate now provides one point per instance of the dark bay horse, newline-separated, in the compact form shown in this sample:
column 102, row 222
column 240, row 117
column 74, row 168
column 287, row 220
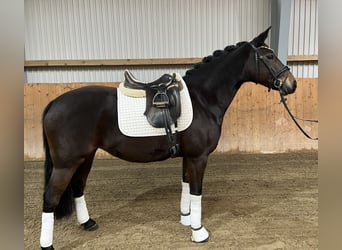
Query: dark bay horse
column 80, row 121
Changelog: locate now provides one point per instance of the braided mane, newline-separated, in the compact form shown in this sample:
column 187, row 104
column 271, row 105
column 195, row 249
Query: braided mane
column 216, row 54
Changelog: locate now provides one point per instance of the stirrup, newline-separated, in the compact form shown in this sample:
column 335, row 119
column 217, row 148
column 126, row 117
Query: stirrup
column 161, row 100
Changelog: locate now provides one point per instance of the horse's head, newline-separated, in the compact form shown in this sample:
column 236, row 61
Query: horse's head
column 268, row 69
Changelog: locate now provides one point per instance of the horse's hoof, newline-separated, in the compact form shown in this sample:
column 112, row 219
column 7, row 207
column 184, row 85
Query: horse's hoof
column 48, row 248
column 200, row 235
column 90, row 225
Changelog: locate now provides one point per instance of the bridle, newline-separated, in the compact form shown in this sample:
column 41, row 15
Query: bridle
column 277, row 85
column 275, row 80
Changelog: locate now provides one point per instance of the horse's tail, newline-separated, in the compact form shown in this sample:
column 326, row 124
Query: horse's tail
column 65, row 206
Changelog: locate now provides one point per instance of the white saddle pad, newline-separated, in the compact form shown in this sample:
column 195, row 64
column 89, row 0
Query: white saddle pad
column 133, row 122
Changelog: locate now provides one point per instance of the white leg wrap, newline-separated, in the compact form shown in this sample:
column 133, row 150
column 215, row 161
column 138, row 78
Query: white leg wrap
column 81, row 210
column 196, row 210
column 46, row 234
column 199, row 233
column 185, row 204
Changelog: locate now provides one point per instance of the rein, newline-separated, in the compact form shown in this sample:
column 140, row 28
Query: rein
column 277, row 84
column 283, row 100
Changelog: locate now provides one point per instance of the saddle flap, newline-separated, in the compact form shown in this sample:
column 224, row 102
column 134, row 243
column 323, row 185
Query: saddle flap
column 160, row 119
column 165, row 107
column 163, row 103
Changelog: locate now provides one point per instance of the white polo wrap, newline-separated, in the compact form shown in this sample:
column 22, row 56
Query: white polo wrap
column 81, row 210
column 196, row 211
column 199, row 233
column 46, row 233
column 185, row 204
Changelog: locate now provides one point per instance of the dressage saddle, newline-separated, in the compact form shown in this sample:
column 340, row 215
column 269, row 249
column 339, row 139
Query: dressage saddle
column 162, row 99
column 163, row 103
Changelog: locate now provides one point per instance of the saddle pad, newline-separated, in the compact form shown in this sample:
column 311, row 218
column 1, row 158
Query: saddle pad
column 133, row 122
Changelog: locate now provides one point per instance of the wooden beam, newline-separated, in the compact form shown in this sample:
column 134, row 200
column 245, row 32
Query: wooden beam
column 137, row 62
column 303, row 58
column 112, row 62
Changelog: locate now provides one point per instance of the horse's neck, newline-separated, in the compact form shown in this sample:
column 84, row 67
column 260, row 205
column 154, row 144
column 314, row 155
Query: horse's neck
column 215, row 92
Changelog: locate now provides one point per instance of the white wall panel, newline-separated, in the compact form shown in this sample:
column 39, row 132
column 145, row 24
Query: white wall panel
column 73, row 29
column 303, row 37
column 120, row 29
column 304, row 69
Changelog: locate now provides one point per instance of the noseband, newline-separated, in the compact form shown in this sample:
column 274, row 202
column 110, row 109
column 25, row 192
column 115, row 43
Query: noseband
column 275, row 80
column 277, row 84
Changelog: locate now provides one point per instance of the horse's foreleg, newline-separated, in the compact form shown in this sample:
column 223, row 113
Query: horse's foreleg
column 195, row 170
column 185, row 198
column 199, row 232
column 185, row 204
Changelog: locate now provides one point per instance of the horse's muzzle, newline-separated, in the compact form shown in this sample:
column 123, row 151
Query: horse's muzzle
column 288, row 87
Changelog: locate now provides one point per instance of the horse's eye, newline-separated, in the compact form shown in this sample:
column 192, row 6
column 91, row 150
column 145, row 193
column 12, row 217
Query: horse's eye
column 270, row 56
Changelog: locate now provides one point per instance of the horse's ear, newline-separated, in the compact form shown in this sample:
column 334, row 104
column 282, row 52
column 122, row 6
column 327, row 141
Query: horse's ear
column 260, row 39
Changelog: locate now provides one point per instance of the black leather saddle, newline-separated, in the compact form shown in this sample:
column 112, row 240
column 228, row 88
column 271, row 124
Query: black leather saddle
column 163, row 103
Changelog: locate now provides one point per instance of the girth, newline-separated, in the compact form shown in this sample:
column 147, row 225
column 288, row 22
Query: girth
column 163, row 104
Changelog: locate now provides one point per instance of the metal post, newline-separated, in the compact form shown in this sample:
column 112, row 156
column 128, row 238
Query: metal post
column 280, row 21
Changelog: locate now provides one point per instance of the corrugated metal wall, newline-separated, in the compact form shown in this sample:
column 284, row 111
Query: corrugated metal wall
column 113, row 29
column 107, row 29
column 303, row 37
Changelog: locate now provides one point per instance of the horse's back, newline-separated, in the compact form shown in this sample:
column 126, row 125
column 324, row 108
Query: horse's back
column 88, row 95
column 84, row 100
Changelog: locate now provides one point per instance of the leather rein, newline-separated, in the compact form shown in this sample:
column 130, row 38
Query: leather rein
column 277, row 84
column 283, row 100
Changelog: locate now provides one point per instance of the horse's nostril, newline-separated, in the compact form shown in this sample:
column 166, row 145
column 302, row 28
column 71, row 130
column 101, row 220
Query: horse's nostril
column 294, row 85
column 291, row 87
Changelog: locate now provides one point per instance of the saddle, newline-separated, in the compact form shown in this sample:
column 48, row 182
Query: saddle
column 163, row 103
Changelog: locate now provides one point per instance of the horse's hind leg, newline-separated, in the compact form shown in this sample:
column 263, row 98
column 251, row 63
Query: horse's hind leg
column 55, row 187
column 78, row 184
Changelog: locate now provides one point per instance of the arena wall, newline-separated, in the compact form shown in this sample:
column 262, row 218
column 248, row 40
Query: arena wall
column 256, row 121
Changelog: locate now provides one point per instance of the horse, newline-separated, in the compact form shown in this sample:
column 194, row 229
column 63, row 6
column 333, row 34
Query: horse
column 80, row 121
